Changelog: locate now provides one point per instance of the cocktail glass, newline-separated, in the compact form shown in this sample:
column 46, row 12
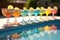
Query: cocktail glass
column 54, row 11
column 42, row 11
column 47, row 12
column 16, row 14
column 36, row 12
column 30, row 13
column 7, row 14
column 24, row 13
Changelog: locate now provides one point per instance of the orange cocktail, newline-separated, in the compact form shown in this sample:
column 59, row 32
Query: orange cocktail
column 16, row 14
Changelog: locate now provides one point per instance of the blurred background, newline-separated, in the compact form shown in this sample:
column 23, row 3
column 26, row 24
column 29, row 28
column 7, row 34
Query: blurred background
column 30, row 3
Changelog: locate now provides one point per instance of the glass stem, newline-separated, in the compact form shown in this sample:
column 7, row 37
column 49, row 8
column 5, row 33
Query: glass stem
column 41, row 16
column 15, row 18
column 35, row 17
column 7, row 20
column 47, row 16
column 53, row 14
column 29, row 17
column 23, row 17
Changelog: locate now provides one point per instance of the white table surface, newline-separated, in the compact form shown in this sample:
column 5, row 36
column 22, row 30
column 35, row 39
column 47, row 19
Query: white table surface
column 19, row 19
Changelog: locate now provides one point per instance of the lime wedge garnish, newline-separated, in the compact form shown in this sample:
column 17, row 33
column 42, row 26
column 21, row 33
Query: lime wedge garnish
column 10, row 7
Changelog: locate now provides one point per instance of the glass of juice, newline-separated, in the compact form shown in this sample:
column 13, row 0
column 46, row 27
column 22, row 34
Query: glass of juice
column 16, row 14
column 47, row 12
column 7, row 14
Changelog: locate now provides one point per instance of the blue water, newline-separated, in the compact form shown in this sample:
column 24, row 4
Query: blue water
column 46, row 36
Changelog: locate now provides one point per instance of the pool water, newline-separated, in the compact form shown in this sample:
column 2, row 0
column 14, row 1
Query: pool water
column 37, row 33
column 42, row 36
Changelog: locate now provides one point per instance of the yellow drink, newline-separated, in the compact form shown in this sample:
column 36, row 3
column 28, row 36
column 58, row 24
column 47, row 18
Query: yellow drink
column 47, row 12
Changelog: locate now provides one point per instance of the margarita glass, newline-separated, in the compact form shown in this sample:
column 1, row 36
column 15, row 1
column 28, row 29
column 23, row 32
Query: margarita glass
column 16, row 14
column 7, row 13
column 42, row 11
column 54, row 11
column 36, row 12
column 47, row 12
column 30, row 13
column 24, row 13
